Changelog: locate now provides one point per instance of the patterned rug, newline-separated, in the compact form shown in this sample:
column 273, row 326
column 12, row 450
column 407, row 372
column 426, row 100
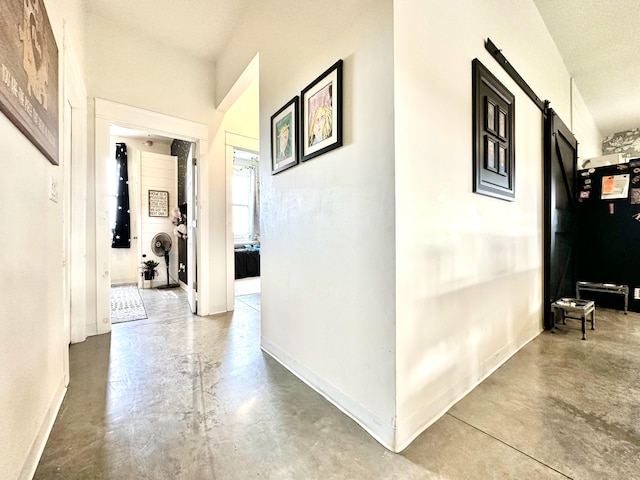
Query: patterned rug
column 126, row 304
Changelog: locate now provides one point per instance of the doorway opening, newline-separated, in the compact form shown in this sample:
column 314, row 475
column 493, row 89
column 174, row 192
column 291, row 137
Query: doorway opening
column 160, row 189
column 107, row 114
column 245, row 199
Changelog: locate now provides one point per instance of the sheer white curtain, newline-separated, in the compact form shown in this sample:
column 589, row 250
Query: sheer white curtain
column 246, row 200
column 256, row 200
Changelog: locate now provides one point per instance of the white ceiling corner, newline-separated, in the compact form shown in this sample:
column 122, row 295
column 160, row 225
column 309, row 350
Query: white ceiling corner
column 599, row 44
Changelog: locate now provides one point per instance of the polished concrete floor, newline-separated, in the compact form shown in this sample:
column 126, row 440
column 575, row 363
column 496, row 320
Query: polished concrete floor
column 182, row 397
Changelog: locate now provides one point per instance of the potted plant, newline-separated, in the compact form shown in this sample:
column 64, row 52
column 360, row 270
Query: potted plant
column 149, row 269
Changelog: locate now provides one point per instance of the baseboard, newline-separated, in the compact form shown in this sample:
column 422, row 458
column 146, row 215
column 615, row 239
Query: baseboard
column 126, row 281
column 91, row 329
column 408, row 430
column 216, row 309
column 37, row 447
column 397, row 438
column 380, row 430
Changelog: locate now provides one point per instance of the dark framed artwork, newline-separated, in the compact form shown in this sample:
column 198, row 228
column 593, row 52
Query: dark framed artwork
column 158, row 203
column 494, row 168
column 29, row 74
column 321, row 113
column 285, row 134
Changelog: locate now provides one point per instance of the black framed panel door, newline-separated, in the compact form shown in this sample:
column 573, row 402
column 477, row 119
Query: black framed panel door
column 560, row 216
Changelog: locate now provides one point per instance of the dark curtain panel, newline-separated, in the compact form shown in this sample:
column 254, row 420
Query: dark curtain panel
column 122, row 230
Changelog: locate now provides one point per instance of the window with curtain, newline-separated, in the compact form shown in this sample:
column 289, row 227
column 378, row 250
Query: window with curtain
column 245, row 200
column 121, row 229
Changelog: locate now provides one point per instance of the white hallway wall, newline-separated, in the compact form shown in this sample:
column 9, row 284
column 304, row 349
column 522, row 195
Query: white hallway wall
column 31, row 314
column 583, row 127
column 469, row 267
column 327, row 269
column 31, row 343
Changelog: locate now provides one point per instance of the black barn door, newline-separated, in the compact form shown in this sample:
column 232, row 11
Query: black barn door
column 560, row 225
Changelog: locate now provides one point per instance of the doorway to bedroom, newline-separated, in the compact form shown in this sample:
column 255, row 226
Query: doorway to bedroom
column 245, row 199
column 157, row 183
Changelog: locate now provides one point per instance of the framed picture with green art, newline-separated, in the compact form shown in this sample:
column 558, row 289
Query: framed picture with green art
column 284, row 137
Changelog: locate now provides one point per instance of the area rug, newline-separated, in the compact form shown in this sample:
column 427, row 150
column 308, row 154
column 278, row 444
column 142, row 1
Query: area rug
column 126, row 304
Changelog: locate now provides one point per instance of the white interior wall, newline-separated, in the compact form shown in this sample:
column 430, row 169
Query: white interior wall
column 584, row 128
column 128, row 68
column 69, row 14
column 125, row 262
column 469, row 267
column 327, row 262
column 32, row 343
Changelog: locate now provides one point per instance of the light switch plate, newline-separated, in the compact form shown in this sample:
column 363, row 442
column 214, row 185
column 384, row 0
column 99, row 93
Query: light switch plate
column 53, row 190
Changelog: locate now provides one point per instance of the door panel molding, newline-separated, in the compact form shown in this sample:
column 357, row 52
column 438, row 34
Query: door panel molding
column 560, row 164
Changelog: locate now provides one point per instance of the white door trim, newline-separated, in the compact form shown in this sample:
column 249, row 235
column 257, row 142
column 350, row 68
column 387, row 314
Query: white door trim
column 75, row 94
column 241, row 142
column 109, row 113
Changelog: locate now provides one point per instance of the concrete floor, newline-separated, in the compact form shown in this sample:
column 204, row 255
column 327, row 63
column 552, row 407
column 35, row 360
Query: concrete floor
column 183, row 397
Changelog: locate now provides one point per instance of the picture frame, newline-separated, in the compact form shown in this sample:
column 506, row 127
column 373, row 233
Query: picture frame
column 615, row 186
column 158, row 203
column 285, row 137
column 493, row 113
column 29, row 74
column 321, row 113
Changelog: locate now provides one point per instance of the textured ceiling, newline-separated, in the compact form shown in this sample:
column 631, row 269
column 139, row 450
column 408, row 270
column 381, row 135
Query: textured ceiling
column 200, row 27
column 599, row 41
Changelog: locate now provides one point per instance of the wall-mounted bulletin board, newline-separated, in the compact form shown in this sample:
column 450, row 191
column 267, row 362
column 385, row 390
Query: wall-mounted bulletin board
column 608, row 231
column 158, row 203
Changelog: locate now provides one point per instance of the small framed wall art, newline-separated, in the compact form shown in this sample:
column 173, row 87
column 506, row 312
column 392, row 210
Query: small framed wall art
column 158, row 203
column 284, row 137
column 494, row 165
column 321, row 112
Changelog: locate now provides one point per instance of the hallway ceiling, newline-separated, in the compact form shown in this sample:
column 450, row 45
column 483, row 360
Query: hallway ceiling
column 200, row 27
column 599, row 43
column 596, row 39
